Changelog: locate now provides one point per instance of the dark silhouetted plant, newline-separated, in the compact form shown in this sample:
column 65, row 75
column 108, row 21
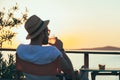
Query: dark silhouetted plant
column 8, row 20
column 8, row 69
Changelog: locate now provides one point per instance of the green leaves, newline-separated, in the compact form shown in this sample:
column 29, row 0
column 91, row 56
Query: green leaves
column 8, row 69
column 8, row 19
column 6, row 35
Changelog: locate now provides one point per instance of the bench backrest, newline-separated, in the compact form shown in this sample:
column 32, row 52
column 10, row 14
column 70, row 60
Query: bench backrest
column 52, row 68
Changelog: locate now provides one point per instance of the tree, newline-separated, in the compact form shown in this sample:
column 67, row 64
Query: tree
column 8, row 20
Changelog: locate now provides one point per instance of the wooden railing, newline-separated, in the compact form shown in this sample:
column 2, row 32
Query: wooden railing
column 86, row 57
column 7, row 49
column 86, row 53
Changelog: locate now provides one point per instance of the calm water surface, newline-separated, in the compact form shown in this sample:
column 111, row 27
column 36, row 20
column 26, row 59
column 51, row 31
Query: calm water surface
column 111, row 61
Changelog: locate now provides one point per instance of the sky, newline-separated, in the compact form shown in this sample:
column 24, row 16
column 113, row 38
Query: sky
column 78, row 23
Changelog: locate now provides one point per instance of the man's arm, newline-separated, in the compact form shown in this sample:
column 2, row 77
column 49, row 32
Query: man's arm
column 68, row 60
column 59, row 45
column 69, row 73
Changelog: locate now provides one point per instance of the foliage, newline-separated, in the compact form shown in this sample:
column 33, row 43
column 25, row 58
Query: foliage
column 8, row 69
column 8, row 20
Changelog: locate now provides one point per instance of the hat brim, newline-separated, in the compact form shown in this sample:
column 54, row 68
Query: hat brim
column 38, row 32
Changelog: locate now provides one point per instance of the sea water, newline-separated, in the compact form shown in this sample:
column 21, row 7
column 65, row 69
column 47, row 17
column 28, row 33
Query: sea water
column 110, row 61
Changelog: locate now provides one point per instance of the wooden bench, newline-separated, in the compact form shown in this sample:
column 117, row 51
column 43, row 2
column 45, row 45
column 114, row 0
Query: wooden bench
column 107, row 71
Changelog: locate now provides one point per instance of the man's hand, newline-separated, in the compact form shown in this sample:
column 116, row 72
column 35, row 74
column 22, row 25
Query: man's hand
column 58, row 44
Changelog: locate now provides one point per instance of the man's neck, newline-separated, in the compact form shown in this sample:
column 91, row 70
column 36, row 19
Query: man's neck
column 36, row 43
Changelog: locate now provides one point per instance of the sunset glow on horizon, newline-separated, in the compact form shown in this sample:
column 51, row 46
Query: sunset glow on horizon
column 78, row 23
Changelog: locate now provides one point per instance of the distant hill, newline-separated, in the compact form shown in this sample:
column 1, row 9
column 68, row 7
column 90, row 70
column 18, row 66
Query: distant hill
column 101, row 48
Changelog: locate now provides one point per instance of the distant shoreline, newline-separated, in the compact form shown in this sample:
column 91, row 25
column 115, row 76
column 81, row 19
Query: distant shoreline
column 100, row 48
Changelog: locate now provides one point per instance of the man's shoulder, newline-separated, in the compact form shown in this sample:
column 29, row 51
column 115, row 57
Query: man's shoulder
column 49, row 47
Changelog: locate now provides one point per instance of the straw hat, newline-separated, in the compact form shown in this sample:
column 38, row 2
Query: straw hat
column 34, row 25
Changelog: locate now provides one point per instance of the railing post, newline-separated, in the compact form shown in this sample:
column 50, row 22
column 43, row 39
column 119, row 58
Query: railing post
column 86, row 61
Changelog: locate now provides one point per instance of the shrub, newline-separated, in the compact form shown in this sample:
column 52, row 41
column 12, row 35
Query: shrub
column 8, row 69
